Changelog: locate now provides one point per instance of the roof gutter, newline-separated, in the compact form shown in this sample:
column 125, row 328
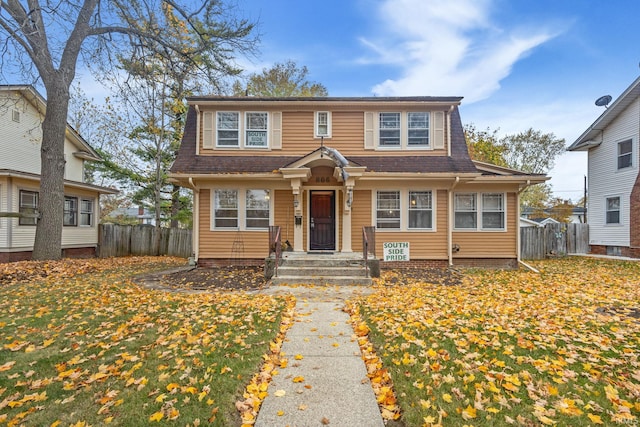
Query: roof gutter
column 456, row 181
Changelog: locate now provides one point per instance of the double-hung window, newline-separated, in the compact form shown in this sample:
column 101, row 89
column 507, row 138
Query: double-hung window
column 226, row 209
column 257, row 209
column 323, row 124
column 466, row 211
column 625, row 154
column 228, row 129
column 388, row 210
column 86, row 212
column 493, row 211
column 418, row 124
column 613, row 210
column 28, row 205
column 256, row 130
column 389, row 130
column 70, row 216
column 420, row 210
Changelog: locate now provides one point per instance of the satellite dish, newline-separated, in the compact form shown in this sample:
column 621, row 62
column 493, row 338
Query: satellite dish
column 603, row 101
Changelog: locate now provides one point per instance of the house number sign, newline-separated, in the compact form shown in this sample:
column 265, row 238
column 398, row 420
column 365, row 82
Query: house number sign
column 396, row 251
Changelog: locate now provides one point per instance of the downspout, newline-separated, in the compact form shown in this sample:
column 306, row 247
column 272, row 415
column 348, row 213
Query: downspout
column 10, row 221
column 195, row 233
column 449, row 131
column 518, row 249
column 450, row 222
column 197, row 131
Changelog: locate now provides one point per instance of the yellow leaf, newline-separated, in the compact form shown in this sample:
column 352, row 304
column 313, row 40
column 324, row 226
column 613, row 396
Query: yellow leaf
column 279, row 393
column 172, row 386
column 447, row 398
column 156, row 416
column 468, row 412
column 299, row 379
column 160, row 398
column 595, row 418
column 430, row 419
column 280, row 413
column 298, row 357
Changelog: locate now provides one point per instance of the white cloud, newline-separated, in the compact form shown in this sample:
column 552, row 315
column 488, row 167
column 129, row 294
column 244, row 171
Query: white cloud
column 447, row 48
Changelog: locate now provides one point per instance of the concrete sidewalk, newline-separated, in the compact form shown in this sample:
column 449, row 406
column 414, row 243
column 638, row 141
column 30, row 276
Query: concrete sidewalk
column 328, row 384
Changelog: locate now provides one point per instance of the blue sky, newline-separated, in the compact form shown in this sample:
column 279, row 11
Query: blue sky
column 517, row 63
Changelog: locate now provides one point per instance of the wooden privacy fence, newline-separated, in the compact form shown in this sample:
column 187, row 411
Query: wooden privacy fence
column 124, row 240
column 554, row 240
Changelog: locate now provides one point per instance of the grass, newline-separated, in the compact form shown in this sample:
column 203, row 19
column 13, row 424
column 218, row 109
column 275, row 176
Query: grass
column 514, row 347
column 94, row 349
column 80, row 345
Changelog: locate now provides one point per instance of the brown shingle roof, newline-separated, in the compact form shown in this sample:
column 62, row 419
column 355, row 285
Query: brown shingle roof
column 187, row 162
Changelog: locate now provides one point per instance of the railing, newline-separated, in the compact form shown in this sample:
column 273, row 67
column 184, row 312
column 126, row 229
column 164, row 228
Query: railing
column 275, row 246
column 368, row 246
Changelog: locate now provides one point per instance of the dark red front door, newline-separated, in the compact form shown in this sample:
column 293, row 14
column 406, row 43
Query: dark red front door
column 322, row 228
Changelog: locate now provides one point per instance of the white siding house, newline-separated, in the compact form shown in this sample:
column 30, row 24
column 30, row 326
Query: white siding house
column 613, row 181
column 22, row 110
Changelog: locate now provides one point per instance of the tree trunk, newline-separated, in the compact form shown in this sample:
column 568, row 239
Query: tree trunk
column 48, row 241
column 175, row 205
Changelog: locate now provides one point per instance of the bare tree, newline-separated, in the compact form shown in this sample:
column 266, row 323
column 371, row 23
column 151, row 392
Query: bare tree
column 50, row 37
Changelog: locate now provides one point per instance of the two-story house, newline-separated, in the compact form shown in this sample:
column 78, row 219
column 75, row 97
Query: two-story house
column 613, row 198
column 324, row 168
column 22, row 110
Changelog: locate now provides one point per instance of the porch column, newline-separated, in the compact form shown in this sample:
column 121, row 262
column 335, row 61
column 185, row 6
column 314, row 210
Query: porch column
column 297, row 213
column 346, row 219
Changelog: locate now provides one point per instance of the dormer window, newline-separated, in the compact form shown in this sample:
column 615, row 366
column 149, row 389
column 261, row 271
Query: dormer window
column 15, row 116
column 228, row 125
column 323, row 124
column 256, row 131
column 389, row 130
column 418, row 129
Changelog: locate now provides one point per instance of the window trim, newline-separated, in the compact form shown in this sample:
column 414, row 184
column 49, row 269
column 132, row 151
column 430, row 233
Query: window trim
column 89, row 213
column 502, row 211
column 73, row 212
column 379, row 144
column 238, row 130
column 378, row 209
column 404, row 131
column 241, row 209
column 430, row 209
column 32, row 209
column 606, row 211
column 628, row 154
column 246, row 130
column 267, row 197
column 479, row 210
column 316, row 125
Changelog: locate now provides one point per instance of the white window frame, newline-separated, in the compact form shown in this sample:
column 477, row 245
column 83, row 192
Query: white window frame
column 628, row 154
column 427, row 129
column 216, row 207
column 86, row 213
column 479, row 210
column 28, row 209
column 411, row 208
column 388, row 129
column 489, row 210
column 248, row 129
column 240, row 208
column 318, row 122
column 607, row 210
column 266, row 197
column 237, row 130
column 70, row 214
column 391, row 210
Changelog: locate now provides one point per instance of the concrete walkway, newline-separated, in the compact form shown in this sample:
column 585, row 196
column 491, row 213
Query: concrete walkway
column 327, row 384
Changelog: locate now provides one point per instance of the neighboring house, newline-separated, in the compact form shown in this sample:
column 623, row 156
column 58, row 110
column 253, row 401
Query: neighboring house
column 22, row 110
column 613, row 199
column 323, row 168
column 525, row 222
column 139, row 215
column 577, row 216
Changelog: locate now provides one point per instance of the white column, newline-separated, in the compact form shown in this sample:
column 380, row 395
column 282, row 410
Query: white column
column 346, row 220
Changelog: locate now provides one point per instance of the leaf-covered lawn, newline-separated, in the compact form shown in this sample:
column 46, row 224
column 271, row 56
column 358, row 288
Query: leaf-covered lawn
column 81, row 345
column 512, row 347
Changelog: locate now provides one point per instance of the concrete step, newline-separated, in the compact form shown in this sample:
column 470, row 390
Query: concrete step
column 322, row 262
column 308, row 271
column 322, row 281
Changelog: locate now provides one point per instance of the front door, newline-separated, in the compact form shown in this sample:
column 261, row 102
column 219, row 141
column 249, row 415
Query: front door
column 322, row 224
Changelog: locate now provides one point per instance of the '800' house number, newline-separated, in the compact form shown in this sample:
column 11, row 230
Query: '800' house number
column 323, row 179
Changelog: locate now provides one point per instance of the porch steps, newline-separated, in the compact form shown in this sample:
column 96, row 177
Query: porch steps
column 321, row 269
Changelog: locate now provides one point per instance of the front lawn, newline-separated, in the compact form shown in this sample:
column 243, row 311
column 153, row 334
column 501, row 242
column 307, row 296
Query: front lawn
column 81, row 345
column 513, row 347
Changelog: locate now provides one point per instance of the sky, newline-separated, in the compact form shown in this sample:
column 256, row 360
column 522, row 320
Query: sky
column 519, row 64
